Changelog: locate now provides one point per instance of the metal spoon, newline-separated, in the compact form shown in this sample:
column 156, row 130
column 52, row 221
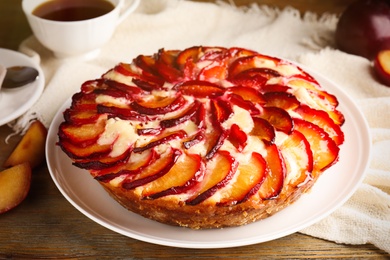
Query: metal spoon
column 18, row 76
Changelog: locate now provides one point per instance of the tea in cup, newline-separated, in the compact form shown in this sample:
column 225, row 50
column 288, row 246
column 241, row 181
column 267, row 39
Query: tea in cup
column 74, row 28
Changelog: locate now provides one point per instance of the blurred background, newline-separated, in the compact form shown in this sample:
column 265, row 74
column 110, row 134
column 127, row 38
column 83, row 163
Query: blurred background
column 14, row 28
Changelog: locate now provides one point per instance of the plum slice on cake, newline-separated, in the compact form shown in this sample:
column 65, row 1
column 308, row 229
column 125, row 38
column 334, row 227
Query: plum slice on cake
column 205, row 137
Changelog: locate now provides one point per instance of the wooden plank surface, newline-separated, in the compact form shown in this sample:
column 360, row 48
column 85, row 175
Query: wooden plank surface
column 47, row 226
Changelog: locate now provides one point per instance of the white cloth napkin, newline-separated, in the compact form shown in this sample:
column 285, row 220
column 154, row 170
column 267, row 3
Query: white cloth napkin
column 365, row 217
column 177, row 24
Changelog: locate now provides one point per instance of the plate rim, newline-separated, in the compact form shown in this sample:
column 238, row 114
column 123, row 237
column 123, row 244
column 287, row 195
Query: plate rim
column 326, row 83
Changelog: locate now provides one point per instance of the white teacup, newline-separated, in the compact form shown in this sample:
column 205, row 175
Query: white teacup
column 82, row 38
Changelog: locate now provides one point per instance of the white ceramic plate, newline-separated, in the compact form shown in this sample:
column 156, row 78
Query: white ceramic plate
column 15, row 102
column 332, row 189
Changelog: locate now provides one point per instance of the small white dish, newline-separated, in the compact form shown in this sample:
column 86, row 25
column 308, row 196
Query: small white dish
column 332, row 189
column 15, row 102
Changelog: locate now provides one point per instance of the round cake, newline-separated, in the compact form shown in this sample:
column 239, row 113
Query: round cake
column 205, row 137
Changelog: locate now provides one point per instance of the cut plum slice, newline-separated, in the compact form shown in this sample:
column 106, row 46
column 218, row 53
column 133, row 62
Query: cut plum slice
column 281, row 100
column 180, row 178
column 146, row 63
column 181, row 118
column 83, row 101
column 125, row 89
column 129, row 71
column 193, row 140
column 146, row 85
column 220, row 110
column 80, row 117
column 225, row 167
column 237, row 137
column 166, row 65
column 274, row 88
column 83, row 135
column 314, row 87
column 191, row 54
column 125, row 69
column 249, row 80
column 159, row 106
column 214, row 141
column 216, row 70
column 319, row 99
column 253, row 64
column 263, row 130
column 240, row 52
column 322, row 119
column 161, row 140
column 167, row 57
column 169, row 73
column 325, row 151
column 78, row 152
column 278, row 118
column 247, row 105
column 124, row 113
column 136, row 163
column 199, row 89
column 297, row 155
column 276, row 173
column 104, row 162
column 248, row 94
column 154, row 171
column 15, row 184
column 250, row 177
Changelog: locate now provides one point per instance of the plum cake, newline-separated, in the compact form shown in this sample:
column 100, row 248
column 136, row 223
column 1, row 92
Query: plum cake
column 205, row 137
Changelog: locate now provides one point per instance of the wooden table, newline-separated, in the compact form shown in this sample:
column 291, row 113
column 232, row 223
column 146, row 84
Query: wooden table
column 46, row 225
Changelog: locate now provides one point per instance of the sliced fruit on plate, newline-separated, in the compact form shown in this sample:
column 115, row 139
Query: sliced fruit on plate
column 250, row 177
column 282, row 100
column 104, row 162
column 297, row 155
column 325, row 151
column 167, row 57
column 189, row 54
column 237, row 137
column 136, row 163
column 159, row 105
column 278, row 118
column 199, row 89
column 252, row 64
column 80, row 117
column 154, row 171
column 216, row 178
column 263, row 130
column 276, row 173
column 182, row 117
column 122, row 113
column 163, row 138
column 214, row 141
column 309, row 93
column 249, row 94
column 83, row 135
column 180, row 178
column 220, row 110
column 78, row 152
column 215, row 70
column 322, row 119
column 169, row 73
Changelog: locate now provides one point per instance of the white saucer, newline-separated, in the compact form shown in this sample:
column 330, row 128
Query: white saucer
column 15, row 102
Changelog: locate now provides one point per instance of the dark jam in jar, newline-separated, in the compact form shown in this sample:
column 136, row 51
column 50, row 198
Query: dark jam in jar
column 72, row 10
